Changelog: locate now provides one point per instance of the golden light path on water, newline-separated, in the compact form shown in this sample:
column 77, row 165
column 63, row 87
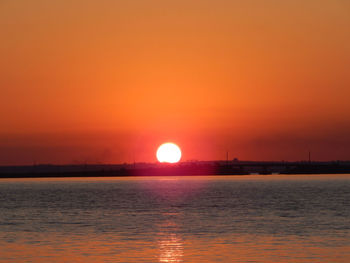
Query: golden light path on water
column 170, row 244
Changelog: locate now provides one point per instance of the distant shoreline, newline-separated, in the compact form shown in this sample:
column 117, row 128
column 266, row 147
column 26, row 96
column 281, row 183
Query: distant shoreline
column 180, row 169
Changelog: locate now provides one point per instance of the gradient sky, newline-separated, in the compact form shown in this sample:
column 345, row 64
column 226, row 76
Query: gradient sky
column 108, row 81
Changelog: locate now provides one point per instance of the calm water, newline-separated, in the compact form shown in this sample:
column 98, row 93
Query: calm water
column 185, row 219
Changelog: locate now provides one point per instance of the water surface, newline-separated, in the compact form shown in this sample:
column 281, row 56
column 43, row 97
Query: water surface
column 176, row 219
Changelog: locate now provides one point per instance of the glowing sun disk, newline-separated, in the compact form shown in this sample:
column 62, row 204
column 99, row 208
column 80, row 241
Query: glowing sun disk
column 168, row 153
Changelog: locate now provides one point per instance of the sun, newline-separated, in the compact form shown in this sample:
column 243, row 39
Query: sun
column 169, row 153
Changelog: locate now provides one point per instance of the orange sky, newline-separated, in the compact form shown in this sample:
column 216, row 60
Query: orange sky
column 107, row 81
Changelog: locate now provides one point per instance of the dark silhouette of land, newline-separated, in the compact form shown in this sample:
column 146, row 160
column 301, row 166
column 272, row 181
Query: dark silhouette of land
column 234, row 167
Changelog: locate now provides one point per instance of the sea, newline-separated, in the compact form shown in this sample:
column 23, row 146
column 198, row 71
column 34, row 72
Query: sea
column 251, row 218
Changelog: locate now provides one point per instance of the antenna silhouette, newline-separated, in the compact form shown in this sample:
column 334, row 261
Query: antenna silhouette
column 309, row 157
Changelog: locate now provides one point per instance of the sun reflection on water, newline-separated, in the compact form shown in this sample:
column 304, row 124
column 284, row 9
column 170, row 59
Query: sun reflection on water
column 170, row 243
column 171, row 249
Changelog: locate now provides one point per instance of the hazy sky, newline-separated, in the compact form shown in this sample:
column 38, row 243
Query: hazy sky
column 108, row 81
